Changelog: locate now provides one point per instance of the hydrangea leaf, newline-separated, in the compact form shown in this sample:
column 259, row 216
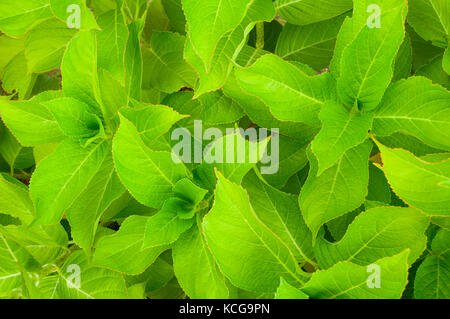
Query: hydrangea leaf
column 377, row 233
column 341, row 130
column 338, row 190
column 240, row 241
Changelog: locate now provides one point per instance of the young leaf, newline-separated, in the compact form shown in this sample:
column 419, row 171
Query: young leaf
column 74, row 118
column 79, row 69
column 213, row 72
column 220, row 17
column 133, row 60
column 166, row 226
column 111, row 44
column 371, row 53
column 341, row 130
column 338, row 190
column 149, row 175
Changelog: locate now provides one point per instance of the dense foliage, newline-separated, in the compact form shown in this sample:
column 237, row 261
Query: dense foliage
column 94, row 203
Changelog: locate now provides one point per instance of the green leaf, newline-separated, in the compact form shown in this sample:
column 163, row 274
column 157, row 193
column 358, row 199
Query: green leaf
column 195, row 267
column 16, row 77
column 419, row 183
column 286, row 291
column 371, row 52
column 430, row 19
column 433, row 275
column 403, row 61
column 213, row 72
column 280, row 212
column 151, row 121
column 75, row 119
column 13, row 153
column 219, row 109
column 15, row 200
column 122, row 251
column 95, row 282
column 220, row 17
column 17, row 19
column 292, row 158
column 174, row 11
column 312, row 44
column 346, row 280
column 446, row 61
column 377, row 233
column 99, row 195
column 164, row 67
column 79, row 69
column 114, row 96
column 9, row 48
column 30, row 121
column 44, row 243
column 423, row 51
column 149, row 175
column 247, row 251
column 111, row 44
column 257, row 110
column 156, row 276
column 338, row 190
column 291, row 94
column 73, row 12
column 379, row 189
column 166, row 226
column 233, row 155
column 133, row 60
column 341, row 130
column 61, row 177
column 417, row 107
column 304, row 12
column 45, row 45
column 435, row 72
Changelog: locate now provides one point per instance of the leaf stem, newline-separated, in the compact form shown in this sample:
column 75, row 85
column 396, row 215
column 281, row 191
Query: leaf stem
column 260, row 35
